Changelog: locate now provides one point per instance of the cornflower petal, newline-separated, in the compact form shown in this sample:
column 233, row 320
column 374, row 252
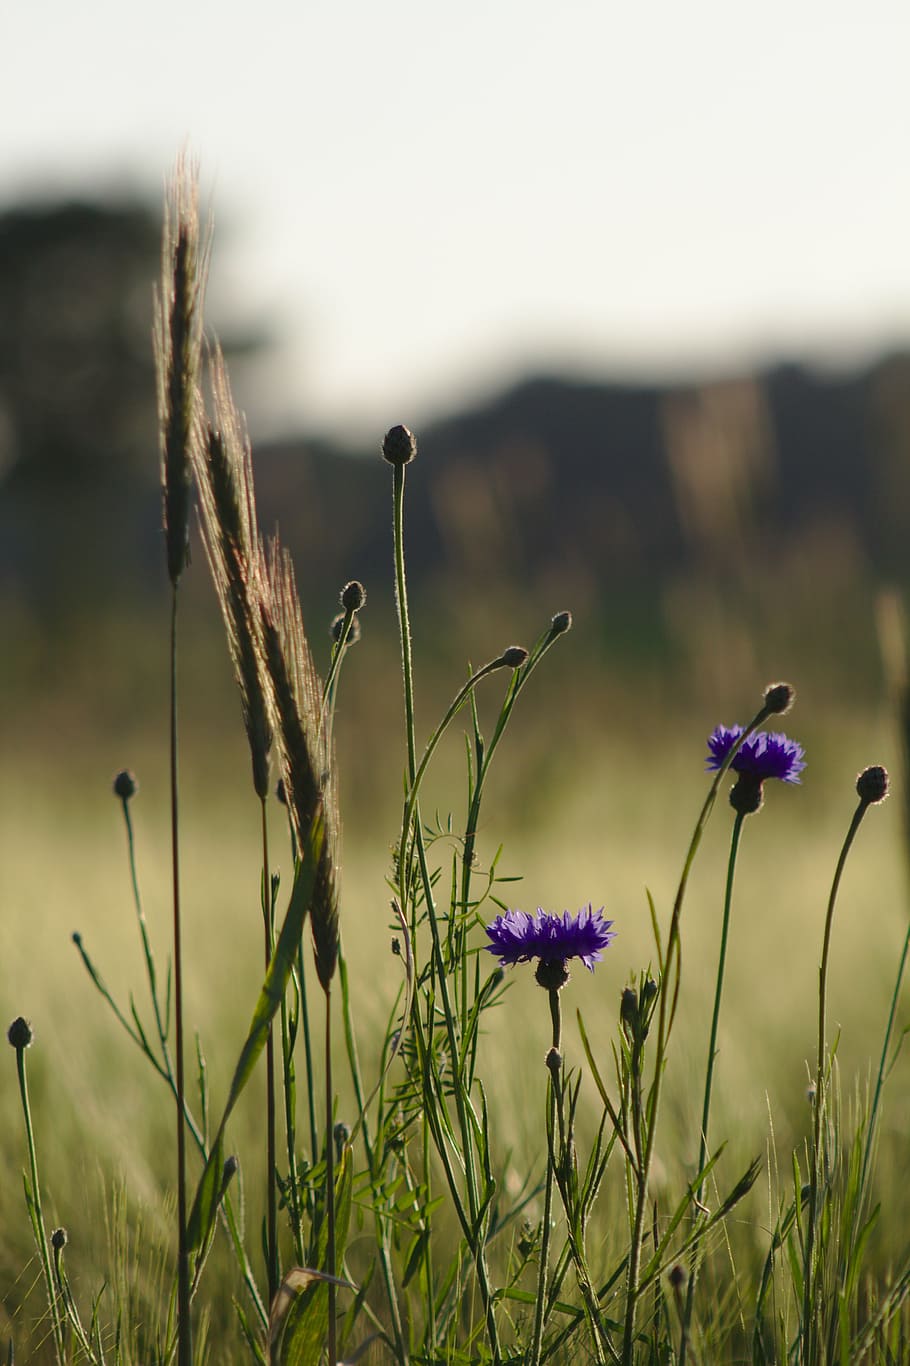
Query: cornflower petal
column 766, row 754
column 517, row 937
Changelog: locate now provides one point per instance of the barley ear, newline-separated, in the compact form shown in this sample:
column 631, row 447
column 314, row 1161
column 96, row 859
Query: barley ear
column 224, row 475
column 178, row 343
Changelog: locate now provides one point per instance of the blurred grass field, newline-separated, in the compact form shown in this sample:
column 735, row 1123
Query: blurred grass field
column 594, row 800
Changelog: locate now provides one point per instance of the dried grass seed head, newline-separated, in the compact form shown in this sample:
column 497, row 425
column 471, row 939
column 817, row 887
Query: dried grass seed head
column 178, row 346
column 230, row 533
column 308, row 760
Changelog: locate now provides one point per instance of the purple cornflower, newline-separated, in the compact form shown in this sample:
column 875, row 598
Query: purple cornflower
column 766, row 754
column 518, row 937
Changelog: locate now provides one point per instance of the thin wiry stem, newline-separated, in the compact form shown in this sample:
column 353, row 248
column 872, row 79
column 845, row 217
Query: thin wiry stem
column 665, row 1015
column 473, row 1227
column 37, row 1214
column 272, row 1269
column 330, row 1180
column 709, row 1076
column 556, row 1019
column 184, row 1324
column 143, row 931
column 821, row 1081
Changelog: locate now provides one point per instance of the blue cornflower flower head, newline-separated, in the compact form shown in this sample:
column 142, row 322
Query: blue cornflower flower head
column 766, row 754
column 517, row 937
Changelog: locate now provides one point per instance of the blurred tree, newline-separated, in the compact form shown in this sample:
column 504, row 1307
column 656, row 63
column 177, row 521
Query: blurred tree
column 79, row 512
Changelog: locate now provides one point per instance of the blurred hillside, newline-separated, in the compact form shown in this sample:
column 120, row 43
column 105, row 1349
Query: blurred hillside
column 670, row 516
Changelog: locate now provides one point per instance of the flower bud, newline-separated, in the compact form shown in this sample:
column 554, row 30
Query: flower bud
column 20, row 1034
column 399, row 446
column 353, row 596
column 872, row 784
column 628, row 1011
column 779, row 697
column 337, row 627
column 59, row 1239
column 677, row 1276
column 125, row 785
column 514, row 656
column 561, row 623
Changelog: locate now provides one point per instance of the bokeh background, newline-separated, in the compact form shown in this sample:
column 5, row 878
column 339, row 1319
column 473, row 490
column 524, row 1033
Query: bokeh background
column 638, row 279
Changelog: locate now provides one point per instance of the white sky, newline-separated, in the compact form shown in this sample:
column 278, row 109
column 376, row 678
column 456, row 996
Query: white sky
column 424, row 199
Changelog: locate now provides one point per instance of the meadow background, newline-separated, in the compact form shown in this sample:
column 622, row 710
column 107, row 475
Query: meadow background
column 709, row 537
column 638, row 283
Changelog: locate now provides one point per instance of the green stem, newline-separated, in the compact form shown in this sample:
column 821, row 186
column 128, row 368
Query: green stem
column 36, row 1213
column 709, row 1076
column 273, row 1274
column 143, row 930
column 382, row 1240
column 401, row 598
column 883, row 1062
column 184, row 1323
column 556, row 1020
column 666, row 1013
column 330, row 1182
column 308, row 1056
column 475, row 1234
column 821, row 1081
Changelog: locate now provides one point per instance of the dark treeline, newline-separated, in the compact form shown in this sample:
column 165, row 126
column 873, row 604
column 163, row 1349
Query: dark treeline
column 598, row 484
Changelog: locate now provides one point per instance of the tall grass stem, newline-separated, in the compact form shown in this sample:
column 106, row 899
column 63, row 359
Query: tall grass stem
column 184, row 1324
column 709, row 1077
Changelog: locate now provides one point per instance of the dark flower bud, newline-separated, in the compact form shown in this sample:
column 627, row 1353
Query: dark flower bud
column 628, row 1011
column 341, row 1133
column 230, row 1168
column 779, row 697
column 648, row 992
column 337, row 627
column 399, row 446
column 281, row 792
column 20, row 1034
column 677, row 1276
column 396, row 947
column 514, row 656
column 126, row 785
column 59, row 1239
column 552, row 976
column 554, row 1062
column 353, row 596
column 872, row 784
column 747, row 794
column 561, row 623
column 528, row 1239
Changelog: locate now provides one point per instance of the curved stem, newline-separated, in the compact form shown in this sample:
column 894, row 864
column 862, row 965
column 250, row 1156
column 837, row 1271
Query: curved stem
column 709, row 1076
column 821, row 1082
